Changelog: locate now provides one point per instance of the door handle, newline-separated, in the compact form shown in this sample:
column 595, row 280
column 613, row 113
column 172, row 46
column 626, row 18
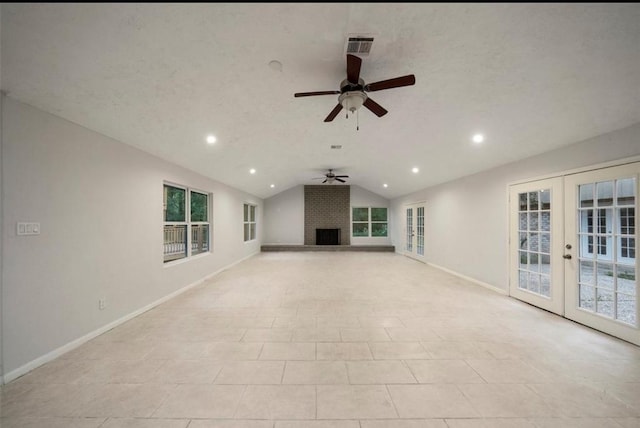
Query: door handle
column 567, row 256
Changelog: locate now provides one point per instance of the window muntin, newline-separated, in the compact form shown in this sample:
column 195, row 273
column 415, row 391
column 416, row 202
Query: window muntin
column 249, row 221
column 369, row 222
column 186, row 223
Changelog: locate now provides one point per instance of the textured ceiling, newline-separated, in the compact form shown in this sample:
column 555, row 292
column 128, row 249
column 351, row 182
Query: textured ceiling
column 160, row 77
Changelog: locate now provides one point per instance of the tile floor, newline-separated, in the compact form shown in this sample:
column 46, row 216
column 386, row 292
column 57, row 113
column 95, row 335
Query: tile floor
column 345, row 340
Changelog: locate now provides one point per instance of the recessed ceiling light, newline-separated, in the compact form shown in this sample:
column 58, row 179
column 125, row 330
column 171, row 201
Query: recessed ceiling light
column 478, row 138
column 272, row 186
column 415, row 170
column 385, row 185
column 211, row 139
column 252, row 171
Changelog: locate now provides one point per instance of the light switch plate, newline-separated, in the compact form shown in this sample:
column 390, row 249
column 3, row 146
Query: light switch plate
column 28, row 229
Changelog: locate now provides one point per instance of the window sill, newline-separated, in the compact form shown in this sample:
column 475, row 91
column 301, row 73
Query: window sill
column 186, row 259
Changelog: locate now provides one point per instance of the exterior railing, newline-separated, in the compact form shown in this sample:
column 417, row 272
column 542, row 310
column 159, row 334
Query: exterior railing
column 175, row 240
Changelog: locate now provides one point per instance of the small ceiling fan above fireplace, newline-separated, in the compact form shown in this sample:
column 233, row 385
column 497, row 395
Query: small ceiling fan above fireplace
column 330, row 177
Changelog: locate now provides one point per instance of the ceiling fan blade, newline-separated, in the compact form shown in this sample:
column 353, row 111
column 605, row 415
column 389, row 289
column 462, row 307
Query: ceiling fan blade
column 325, row 180
column 391, row 83
column 340, row 180
column 376, row 108
column 334, row 113
column 353, row 68
column 342, row 176
column 311, row 94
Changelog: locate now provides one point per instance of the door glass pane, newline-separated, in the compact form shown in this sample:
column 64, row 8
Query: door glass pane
column 534, row 242
column 545, row 243
column 534, row 282
column 626, row 191
column 545, row 285
column 626, row 305
column 523, row 279
column 604, row 190
column 533, row 221
column 604, row 275
column 522, row 198
column 545, row 221
column 626, row 278
column 604, row 302
column 587, row 297
column 533, row 201
column 524, row 242
column 586, row 196
column 586, row 272
column 545, row 199
column 523, row 221
column 409, row 231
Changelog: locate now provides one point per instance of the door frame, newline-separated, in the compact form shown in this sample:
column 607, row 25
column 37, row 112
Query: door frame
column 413, row 254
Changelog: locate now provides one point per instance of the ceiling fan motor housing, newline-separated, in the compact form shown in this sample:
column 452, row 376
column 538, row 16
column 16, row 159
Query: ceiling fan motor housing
column 352, row 100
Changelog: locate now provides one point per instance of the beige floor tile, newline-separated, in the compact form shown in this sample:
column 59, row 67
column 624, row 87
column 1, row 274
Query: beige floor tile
column 448, row 350
column 582, row 401
column 628, row 393
column 398, row 351
column 278, row 402
column 317, row 424
column 52, row 422
column 47, row 400
column 374, row 334
column 291, row 322
column 315, row 373
column 490, row 423
column 380, row 321
column 187, row 371
column 146, row 423
column 576, row 423
column 178, row 350
column 443, row 371
column 201, row 402
column 122, row 371
column 203, row 423
column 122, row 400
column 508, row 371
column 354, row 402
column 267, row 335
column 229, row 351
column 338, row 322
column 627, row 422
column 404, row 334
column 251, row 373
column 316, row 335
column 379, row 372
column 281, row 351
column 407, row 423
column 431, row 401
column 58, row 371
column 343, row 351
column 506, row 401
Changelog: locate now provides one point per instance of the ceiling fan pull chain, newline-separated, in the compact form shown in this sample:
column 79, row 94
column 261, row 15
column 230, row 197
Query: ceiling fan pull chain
column 357, row 120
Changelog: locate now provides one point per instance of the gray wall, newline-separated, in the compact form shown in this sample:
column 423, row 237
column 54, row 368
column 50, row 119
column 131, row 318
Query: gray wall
column 284, row 217
column 327, row 207
column 466, row 223
column 99, row 204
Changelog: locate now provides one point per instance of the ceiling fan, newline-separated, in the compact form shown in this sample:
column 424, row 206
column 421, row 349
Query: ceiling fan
column 353, row 88
column 330, row 177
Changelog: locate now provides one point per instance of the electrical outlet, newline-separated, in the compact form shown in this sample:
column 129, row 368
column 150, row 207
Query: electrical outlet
column 102, row 303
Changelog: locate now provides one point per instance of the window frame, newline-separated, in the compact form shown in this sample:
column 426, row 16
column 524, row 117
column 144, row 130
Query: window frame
column 369, row 222
column 188, row 223
column 247, row 221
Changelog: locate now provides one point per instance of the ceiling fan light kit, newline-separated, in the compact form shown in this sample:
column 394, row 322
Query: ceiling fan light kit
column 353, row 88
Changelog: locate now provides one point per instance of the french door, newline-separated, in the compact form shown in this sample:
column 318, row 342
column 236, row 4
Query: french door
column 601, row 237
column 536, row 240
column 573, row 245
column 414, row 231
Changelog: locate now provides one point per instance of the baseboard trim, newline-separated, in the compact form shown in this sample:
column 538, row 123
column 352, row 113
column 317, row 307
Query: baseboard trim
column 20, row 371
column 470, row 279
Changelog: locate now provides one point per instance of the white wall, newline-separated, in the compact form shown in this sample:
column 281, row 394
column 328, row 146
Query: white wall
column 361, row 197
column 99, row 204
column 284, row 217
column 466, row 220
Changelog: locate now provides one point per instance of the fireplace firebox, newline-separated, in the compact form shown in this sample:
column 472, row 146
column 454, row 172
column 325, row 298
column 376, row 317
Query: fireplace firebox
column 327, row 236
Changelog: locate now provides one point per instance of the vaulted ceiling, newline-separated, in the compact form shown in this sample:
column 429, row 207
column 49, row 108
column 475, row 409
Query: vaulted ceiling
column 531, row 77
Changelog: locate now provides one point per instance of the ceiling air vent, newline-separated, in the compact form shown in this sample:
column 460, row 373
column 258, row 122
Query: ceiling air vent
column 359, row 45
column 336, row 146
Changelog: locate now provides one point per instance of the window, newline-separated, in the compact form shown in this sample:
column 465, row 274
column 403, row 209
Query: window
column 369, row 222
column 249, row 222
column 186, row 222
